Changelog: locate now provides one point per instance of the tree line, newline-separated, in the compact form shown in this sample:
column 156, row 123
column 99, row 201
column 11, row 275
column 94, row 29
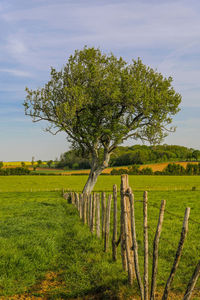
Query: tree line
column 170, row 169
column 132, row 155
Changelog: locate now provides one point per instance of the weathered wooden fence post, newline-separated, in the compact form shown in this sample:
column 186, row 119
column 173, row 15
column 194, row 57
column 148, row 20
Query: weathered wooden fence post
column 155, row 250
column 72, row 198
column 192, row 283
column 126, row 236
column 77, row 200
column 135, row 245
column 178, row 254
column 123, row 188
column 84, row 208
column 98, row 216
column 81, row 206
column 114, row 240
column 88, row 210
column 93, row 213
column 103, row 213
column 107, row 228
column 146, row 248
column 91, row 202
column 127, row 243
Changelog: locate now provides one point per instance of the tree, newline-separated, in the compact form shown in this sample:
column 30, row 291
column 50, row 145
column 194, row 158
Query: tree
column 39, row 163
column 196, row 154
column 100, row 101
column 33, row 162
column 23, row 164
column 1, row 164
column 49, row 163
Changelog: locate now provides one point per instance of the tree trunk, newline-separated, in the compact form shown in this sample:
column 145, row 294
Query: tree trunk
column 92, row 179
column 96, row 169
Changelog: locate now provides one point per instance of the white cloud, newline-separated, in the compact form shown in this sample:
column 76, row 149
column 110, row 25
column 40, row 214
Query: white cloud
column 14, row 72
column 16, row 46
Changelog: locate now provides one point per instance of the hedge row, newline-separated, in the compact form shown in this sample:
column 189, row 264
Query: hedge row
column 170, row 169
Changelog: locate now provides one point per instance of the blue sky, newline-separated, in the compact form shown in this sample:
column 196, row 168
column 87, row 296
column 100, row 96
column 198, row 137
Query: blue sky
column 38, row 34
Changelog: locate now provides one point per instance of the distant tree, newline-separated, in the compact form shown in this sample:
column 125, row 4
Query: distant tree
column 49, row 163
column 23, row 164
column 100, row 101
column 196, row 154
column 33, row 162
column 189, row 156
column 39, row 163
column 1, row 164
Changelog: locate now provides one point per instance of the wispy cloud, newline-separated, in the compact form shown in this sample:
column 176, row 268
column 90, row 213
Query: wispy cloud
column 14, row 72
column 37, row 34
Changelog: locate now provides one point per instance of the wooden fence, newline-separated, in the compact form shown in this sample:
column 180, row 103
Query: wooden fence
column 97, row 216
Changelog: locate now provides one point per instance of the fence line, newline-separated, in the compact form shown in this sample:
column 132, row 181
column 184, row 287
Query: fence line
column 97, row 217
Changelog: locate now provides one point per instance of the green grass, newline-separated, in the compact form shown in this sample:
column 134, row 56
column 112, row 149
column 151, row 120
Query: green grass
column 76, row 183
column 40, row 232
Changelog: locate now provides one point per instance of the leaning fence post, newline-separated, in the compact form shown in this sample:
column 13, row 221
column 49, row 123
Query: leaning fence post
column 155, row 249
column 135, row 245
column 114, row 240
column 107, row 228
column 192, row 283
column 178, row 254
column 146, row 248
column 98, row 216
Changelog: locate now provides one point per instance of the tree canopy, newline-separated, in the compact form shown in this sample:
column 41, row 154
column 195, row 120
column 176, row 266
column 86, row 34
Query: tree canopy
column 100, row 101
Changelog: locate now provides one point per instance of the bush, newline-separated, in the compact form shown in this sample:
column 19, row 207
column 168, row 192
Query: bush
column 119, row 172
column 146, row 171
column 174, row 169
column 14, row 171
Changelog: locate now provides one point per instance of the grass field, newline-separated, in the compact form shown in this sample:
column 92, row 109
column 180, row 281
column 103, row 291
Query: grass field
column 105, row 183
column 46, row 251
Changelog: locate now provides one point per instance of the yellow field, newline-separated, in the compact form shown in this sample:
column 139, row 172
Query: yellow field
column 14, row 164
column 154, row 167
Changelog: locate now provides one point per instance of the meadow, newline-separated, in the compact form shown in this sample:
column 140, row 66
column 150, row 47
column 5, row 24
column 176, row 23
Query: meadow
column 47, row 252
column 104, row 183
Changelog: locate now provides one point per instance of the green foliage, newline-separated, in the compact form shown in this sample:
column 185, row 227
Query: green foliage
column 73, row 160
column 23, row 164
column 14, row 171
column 119, row 171
column 1, row 164
column 130, row 155
column 49, row 163
column 174, row 169
column 134, row 170
column 99, row 101
column 142, row 154
column 39, row 163
column 196, row 154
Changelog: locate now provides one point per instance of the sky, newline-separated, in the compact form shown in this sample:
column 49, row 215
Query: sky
column 38, row 34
